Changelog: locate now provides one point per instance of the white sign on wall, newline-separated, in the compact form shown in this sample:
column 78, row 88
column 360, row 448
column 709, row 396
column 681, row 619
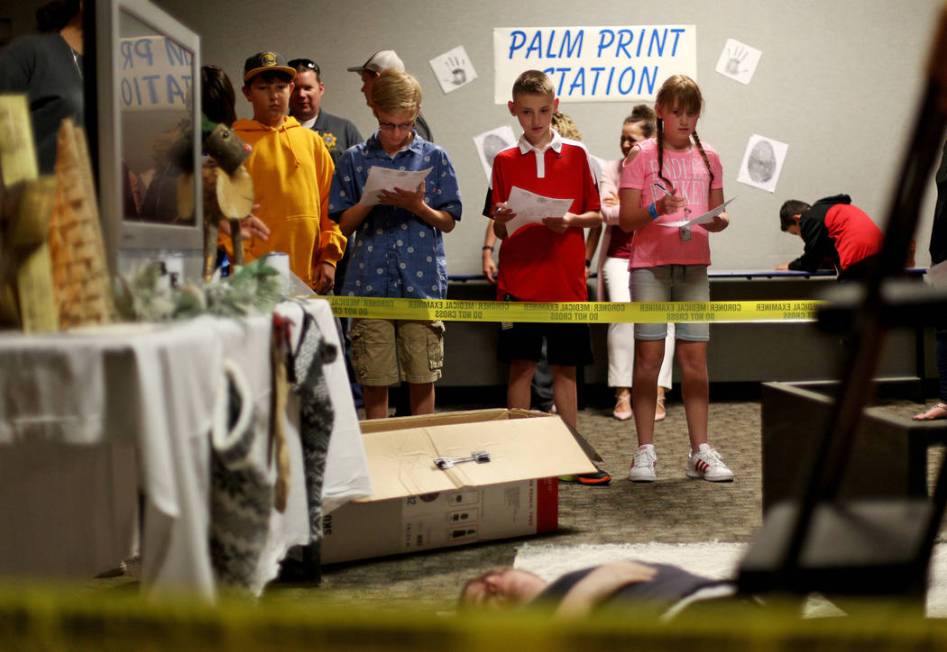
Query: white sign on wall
column 490, row 143
column 762, row 162
column 453, row 69
column 738, row 61
column 595, row 64
column 155, row 74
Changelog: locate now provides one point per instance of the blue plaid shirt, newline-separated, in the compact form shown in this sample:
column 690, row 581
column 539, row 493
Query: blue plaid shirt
column 396, row 253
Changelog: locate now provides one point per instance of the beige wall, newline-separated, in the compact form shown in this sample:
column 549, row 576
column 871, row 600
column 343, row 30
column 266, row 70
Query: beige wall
column 838, row 81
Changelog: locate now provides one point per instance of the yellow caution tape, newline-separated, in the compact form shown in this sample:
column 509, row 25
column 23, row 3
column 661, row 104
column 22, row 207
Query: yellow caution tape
column 586, row 312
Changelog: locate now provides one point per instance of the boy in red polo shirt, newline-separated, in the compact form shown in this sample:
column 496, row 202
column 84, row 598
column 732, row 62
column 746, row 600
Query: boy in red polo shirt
column 543, row 262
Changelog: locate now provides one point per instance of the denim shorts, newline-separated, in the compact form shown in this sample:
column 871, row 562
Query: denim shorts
column 671, row 283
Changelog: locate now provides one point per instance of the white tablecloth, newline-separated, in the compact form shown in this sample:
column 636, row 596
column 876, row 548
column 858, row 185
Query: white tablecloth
column 88, row 418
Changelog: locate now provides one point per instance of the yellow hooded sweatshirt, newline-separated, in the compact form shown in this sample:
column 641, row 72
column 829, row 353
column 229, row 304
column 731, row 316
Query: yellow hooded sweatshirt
column 292, row 175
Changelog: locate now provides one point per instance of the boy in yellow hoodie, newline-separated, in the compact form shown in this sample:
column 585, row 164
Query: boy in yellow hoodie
column 292, row 175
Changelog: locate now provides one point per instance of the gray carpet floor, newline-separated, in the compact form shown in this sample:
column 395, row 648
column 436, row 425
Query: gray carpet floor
column 672, row 510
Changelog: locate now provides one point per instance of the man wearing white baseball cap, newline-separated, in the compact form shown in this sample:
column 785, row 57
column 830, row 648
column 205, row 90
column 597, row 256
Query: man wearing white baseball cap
column 370, row 71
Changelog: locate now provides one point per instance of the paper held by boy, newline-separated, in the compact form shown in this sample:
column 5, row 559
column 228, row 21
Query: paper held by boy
column 455, row 478
column 531, row 208
column 381, row 179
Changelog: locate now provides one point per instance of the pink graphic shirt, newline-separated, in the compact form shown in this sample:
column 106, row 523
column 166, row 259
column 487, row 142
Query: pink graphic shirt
column 654, row 244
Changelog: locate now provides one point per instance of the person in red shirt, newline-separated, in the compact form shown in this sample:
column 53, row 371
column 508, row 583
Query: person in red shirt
column 832, row 228
column 543, row 262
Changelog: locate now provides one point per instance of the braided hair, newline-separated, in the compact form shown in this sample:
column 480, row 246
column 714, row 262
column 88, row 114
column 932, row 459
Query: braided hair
column 680, row 91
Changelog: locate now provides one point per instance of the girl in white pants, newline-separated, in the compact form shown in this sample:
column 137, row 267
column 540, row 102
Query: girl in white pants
column 613, row 274
column 621, row 346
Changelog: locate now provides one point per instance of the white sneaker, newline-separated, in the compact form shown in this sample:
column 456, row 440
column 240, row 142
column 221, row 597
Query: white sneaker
column 643, row 468
column 707, row 464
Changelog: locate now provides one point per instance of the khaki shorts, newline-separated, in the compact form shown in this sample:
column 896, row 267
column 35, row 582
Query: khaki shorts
column 385, row 352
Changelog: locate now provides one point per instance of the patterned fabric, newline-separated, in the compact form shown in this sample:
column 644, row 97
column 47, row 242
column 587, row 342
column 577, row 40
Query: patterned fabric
column 240, row 514
column 241, row 495
column 396, row 253
column 316, row 414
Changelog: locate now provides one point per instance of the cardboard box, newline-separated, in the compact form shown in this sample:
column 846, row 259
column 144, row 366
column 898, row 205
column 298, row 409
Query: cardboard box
column 416, row 505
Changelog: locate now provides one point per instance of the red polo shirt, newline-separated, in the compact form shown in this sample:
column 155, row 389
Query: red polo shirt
column 537, row 264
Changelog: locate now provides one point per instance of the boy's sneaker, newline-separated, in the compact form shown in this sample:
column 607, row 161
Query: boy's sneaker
column 707, row 464
column 643, row 468
column 598, row 479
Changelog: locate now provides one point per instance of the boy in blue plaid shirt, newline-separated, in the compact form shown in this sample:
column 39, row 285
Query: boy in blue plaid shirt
column 399, row 249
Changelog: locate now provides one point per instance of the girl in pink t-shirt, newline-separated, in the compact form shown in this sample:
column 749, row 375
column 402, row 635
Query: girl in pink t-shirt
column 672, row 177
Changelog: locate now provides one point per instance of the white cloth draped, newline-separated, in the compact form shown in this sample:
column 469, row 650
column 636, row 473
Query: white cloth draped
column 88, row 418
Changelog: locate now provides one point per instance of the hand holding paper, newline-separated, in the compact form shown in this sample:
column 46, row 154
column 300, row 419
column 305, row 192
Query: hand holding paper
column 531, row 208
column 503, row 214
column 706, row 218
column 410, row 200
column 557, row 224
column 387, row 180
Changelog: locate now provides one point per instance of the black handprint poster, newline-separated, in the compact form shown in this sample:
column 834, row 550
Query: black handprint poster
column 453, row 69
column 738, row 61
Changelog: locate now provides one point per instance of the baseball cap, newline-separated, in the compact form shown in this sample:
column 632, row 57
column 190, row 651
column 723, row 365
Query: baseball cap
column 305, row 64
column 380, row 62
column 266, row 61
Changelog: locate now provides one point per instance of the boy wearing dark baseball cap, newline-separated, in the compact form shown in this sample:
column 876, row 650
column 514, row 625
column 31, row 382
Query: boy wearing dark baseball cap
column 292, row 176
column 266, row 62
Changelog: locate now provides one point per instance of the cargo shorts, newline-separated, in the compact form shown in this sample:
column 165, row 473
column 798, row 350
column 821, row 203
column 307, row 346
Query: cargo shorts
column 385, row 351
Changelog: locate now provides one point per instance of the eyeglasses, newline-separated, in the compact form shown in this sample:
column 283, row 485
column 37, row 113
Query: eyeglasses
column 391, row 126
column 308, row 64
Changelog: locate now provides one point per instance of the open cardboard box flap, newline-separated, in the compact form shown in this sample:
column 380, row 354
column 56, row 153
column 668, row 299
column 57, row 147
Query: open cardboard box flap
column 523, row 445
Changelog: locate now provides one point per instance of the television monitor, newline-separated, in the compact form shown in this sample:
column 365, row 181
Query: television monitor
column 146, row 106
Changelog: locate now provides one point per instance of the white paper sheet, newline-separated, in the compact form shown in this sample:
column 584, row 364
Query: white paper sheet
column 531, row 208
column 490, row 143
column 738, row 61
column 700, row 219
column 762, row 162
column 380, row 178
column 453, row 69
